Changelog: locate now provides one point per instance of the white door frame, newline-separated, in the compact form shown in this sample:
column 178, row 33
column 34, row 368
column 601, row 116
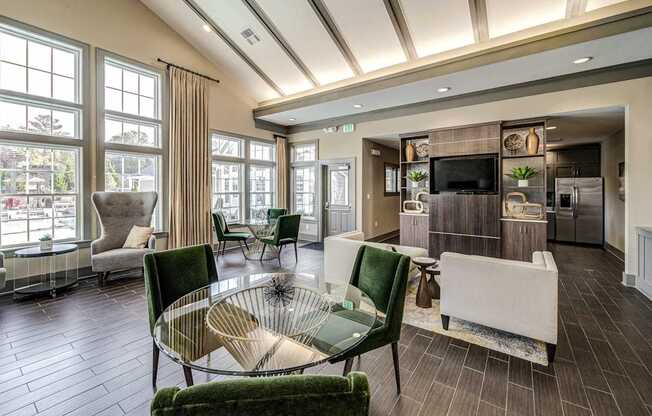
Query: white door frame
column 321, row 183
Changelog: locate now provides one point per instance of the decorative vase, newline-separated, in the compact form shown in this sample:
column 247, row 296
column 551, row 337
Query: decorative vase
column 46, row 245
column 410, row 152
column 532, row 142
column 523, row 183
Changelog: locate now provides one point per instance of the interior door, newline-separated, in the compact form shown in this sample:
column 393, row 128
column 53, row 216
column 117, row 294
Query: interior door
column 338, row 212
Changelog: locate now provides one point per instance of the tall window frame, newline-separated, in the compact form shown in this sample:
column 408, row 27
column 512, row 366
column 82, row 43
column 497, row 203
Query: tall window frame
column 243, row 158
column 304, row 155
column 141, row 147
column 74, row 138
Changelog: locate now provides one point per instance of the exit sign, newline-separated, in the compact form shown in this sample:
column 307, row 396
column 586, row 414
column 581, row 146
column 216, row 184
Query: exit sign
column 347, row 128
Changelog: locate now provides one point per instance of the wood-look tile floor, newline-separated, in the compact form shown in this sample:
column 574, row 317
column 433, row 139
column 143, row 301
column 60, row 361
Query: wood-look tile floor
column 88, row 352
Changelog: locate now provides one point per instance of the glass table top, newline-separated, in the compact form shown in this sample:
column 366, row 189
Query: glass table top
column 264, row 324
column 258, row 221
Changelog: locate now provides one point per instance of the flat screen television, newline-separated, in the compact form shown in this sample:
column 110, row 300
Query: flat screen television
column 474, row 174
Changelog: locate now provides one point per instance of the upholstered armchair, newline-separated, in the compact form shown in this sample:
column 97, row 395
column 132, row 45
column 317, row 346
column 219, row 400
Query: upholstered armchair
column 265, row 396
column 118, row 212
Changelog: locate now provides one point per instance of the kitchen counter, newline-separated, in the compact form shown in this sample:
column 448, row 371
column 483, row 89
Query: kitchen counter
column 524, row 220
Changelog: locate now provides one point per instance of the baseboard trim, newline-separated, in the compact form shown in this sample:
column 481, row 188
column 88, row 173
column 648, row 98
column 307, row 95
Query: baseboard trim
column 614, row 252
column 629, row 279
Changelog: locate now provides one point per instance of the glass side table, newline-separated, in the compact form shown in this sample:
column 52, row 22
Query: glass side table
column 46, row 271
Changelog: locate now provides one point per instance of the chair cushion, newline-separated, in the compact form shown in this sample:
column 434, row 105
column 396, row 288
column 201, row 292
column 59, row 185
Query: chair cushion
column 138, row 237
column 237, row 235
column 376, row 277
column 119, row 259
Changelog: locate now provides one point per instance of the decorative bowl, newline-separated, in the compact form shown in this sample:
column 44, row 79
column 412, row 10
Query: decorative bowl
column 514, row 142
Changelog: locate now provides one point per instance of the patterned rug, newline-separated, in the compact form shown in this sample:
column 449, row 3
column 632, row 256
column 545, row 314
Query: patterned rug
column 505, row 342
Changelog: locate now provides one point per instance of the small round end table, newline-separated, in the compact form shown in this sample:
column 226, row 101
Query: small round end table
column 424, row 297
column 47, row 279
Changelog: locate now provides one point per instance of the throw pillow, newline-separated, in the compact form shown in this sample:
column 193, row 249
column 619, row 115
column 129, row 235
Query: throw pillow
column 138, row 237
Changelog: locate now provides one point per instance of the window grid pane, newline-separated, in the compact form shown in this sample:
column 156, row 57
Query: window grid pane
column 261, row 191
column 227, row 146
column 38, row 193
column 132, row 133
column 130, row 91
column 304, row 191
column 261, row 151
column 48, row 70
column 305, row 152
column 227, row 190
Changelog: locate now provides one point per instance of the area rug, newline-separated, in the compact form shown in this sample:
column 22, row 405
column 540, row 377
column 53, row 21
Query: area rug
column 493, row 339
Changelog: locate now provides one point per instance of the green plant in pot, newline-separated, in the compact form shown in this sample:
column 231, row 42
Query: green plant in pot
column 46, row 242
column 416, row 176
column 523, row 174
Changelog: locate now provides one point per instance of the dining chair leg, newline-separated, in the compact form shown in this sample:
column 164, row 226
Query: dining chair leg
column 296, row 256
column 279, row 255
column 348, row 364
column 246, row 245
column 155, row 355
column 242, row 248
column 187, row 374
column 397, row 373
column 223, row 247
column 263, row 252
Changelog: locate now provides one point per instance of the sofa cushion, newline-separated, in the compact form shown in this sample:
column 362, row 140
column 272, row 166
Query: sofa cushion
column 119, row 259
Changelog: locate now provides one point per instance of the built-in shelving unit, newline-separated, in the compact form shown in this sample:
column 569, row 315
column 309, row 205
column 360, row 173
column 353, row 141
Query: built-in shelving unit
column 409, row 190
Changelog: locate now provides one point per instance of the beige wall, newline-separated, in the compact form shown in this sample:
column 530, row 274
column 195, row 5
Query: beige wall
column 613, row 152
column 379, row 212
column 634, row 95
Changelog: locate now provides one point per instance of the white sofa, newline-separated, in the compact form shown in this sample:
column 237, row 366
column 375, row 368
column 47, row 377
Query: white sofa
column 513, row 296
column 340, row 252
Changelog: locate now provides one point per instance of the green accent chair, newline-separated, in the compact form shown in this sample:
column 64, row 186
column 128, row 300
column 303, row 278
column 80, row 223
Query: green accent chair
column 223, row 234
column 266, row 396
column 286, row 231
column 274, row 213
column 170, row 275
column 383, row 276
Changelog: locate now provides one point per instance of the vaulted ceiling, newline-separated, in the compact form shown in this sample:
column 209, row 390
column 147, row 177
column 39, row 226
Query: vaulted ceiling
column 281, row 50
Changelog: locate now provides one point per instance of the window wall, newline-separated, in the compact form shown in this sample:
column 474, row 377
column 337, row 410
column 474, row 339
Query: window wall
column 42, row 135
column 131, row 132
column 303, row 186
column 244, row 176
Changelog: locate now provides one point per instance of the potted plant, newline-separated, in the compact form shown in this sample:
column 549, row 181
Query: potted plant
column 416, row 176
column 46, row 242
column 522, row 174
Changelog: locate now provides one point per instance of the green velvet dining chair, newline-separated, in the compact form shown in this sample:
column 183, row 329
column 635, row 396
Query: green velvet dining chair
column 286, row 231
column 316, row 395
column 171, row 274
column 224, row 234
column 274, row 213
column 382, row 275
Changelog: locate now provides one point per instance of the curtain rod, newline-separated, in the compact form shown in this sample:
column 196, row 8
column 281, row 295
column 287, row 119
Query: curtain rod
column 169, row 64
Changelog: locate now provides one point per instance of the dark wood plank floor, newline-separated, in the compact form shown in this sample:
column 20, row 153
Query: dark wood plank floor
column 88, row 352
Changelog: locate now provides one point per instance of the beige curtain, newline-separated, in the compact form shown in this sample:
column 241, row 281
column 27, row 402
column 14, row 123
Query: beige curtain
column 281, row 172
column 189, row 166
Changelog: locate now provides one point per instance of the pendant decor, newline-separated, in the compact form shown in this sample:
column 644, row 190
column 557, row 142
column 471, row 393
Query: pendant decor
column 410, row 152
column 532, row 142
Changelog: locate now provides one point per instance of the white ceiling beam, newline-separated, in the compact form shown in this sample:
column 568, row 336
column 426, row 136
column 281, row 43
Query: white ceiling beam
column 234, row 47
column 575, row 8
column 479, row 20
column 396, row 15
column 275, row 33
column 327, row 21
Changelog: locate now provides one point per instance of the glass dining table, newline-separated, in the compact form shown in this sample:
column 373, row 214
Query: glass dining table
column 264, row 324
column 260, row 228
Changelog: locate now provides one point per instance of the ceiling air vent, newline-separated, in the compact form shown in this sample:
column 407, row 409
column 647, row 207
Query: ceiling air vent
column 250, row 36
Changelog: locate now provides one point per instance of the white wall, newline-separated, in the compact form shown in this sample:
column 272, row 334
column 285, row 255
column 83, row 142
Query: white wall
column 613, row 152
column 634, row 95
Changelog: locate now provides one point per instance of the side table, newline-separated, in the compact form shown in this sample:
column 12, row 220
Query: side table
column 424, row 297
column 47, row 280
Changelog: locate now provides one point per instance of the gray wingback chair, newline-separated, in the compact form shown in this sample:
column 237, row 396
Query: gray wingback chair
column 118, row 212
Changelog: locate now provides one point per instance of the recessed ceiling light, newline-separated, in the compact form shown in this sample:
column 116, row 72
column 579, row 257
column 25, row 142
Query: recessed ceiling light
column 207, row 28
column 292, row 119
column 357, row 106
column 551, row 127
column 443, row 89
column 583, row 60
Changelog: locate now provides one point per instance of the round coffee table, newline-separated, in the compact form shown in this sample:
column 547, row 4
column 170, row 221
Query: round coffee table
column 424, row 297
column 42, row 276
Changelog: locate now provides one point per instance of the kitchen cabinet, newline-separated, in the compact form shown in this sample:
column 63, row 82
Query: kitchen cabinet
column 521, row 238
column 414, row 230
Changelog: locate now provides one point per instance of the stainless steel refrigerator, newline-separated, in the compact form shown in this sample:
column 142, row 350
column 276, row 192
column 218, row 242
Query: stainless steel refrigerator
column 579, row 204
